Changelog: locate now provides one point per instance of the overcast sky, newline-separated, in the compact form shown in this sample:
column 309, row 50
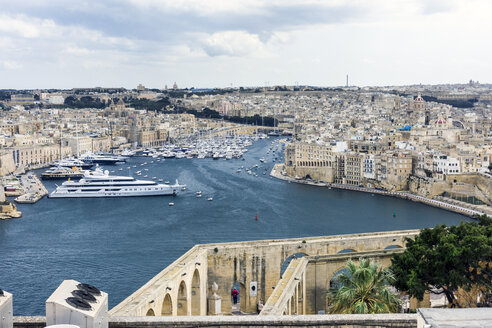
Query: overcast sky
column 219, row 43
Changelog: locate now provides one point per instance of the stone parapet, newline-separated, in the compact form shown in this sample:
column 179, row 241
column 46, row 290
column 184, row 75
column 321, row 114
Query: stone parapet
column 321, row 321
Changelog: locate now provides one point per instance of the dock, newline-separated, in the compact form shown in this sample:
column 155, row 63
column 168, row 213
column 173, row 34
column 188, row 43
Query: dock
column 33, row 188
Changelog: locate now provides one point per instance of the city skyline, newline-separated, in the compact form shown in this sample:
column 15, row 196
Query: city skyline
column 52, row 44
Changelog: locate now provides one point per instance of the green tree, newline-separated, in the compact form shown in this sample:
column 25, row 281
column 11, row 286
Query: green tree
column 445, row 259
column 363, row 288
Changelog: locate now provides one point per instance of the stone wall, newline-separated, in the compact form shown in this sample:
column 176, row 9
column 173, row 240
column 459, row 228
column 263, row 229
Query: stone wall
column 261, row 261
column 7, row 164
column 321, row 269
column 316, row 173
column 458, row 183
column 243, row 263
column 426, row 187
column 320, row 321
column 482, row 181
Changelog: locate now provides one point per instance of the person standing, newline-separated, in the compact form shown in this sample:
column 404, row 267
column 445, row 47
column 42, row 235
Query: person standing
column 260, row 306
column 235, row 294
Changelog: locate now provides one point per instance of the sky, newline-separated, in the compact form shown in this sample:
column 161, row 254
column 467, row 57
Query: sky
column 224, row 43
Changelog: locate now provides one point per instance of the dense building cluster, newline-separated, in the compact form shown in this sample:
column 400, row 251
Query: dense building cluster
column 424, row 139
column 38, row 136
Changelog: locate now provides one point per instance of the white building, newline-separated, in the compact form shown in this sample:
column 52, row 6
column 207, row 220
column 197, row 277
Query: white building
column 369, row 167
column 340, row 147
column 80, row 145
column 56, row 100
column 446, row 164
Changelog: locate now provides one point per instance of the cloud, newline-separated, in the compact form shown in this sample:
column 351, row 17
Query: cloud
column 430, row 7
column 224, row 40
column 199, row 6
column 78, row 51
column 13, row 65
column 24, row 27
column 169, row 20
column 233, row 43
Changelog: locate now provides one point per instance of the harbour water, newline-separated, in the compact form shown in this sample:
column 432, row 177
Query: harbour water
column 117, row 244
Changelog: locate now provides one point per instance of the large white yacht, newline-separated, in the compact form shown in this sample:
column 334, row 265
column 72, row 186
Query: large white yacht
column 73, row 162
column 99, row 183
column 102, row 158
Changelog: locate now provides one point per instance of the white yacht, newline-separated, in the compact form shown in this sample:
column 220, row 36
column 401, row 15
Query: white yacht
column 73, row 162
column 102, row 158
column 100, row 184
column 127, row 153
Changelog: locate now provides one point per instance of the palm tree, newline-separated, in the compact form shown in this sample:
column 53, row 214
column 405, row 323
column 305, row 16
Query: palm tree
column 363, row 289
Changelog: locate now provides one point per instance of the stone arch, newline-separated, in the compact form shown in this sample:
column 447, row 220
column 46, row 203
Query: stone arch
column 293, row 305
column 167, row 305
column 150, row 313
column 182, row 299
column 195, row 293
column 346, row 250
column 332, row 283
column 393, row 247
column 241, row 306
column 287, row 261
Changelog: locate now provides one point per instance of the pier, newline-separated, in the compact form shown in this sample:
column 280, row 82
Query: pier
column 33, row 188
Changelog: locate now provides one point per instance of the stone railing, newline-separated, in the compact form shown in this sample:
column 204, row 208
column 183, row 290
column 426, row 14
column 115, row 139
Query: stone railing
column 295, row 276
column 286, row 288
column 340, row 320
column 167, row 280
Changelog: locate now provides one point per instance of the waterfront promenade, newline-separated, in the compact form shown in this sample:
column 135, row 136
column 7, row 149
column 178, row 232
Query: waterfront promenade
column 277, row 173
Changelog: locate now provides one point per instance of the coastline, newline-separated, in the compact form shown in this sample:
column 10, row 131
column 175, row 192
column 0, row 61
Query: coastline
column 275, row 172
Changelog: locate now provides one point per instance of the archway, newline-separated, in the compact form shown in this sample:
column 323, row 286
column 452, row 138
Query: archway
column 346, row 250
column 333, row 282
column 195, row 294
column 182, row 299
column 293, row 303
column 167, row 306
column 288, row 260
column 150, row 313
column 393, row 247
column 241, row 298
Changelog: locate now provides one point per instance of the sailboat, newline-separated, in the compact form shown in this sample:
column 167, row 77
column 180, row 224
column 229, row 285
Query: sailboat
column 275, row 132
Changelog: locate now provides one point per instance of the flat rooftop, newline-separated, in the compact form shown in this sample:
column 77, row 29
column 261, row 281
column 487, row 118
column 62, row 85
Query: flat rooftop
column 453, row 318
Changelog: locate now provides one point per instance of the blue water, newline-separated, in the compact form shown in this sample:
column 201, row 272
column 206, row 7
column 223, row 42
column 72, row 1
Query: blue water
column 119, row 244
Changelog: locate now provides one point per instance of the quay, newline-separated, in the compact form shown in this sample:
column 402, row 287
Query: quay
column 33, row 188
column 277, row 173
column 7, row 209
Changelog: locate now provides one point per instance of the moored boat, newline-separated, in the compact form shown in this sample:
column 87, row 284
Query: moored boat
column 99, row 183
column 61, row 172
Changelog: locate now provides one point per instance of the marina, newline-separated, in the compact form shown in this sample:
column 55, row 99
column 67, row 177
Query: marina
column 216, row 148
column 101, row 240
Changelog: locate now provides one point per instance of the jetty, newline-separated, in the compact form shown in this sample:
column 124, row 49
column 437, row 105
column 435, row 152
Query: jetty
column 33, row 188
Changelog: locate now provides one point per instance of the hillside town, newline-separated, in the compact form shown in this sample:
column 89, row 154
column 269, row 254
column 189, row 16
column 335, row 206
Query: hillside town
column 433, row 141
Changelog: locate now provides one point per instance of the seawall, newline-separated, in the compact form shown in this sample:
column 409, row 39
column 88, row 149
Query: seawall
column 404, row 195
